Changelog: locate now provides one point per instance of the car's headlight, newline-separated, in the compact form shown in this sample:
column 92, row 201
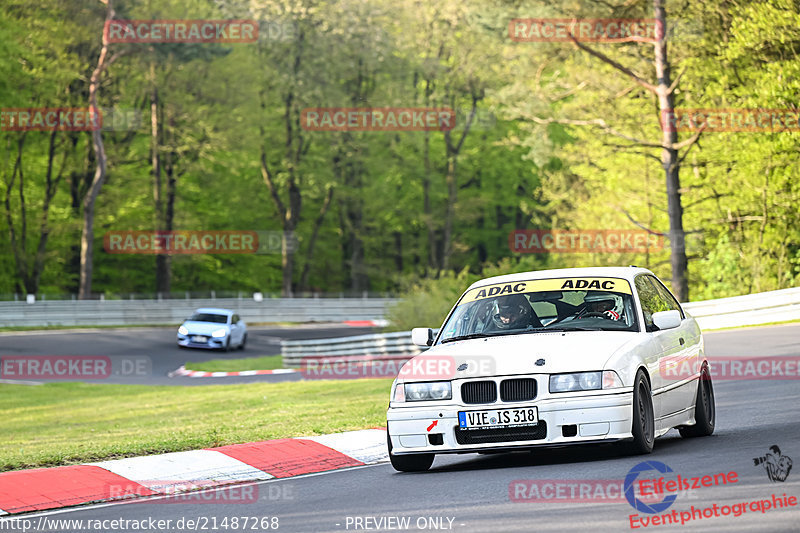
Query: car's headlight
column 183, row 331
column 584, row 381
column 418, row 392
column 219, row 333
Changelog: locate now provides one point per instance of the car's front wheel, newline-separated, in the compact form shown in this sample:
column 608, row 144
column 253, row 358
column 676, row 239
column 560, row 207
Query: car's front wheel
column 643, row 427
column 419, row 462
column 704, row 408
column 244, row 341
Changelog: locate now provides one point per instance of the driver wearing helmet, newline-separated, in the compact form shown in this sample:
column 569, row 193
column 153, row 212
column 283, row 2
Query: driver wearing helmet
column 603, row 304
column 513, row 312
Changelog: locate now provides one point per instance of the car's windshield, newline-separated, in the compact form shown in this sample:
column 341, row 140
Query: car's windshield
column 564, row 304
column 209, row 317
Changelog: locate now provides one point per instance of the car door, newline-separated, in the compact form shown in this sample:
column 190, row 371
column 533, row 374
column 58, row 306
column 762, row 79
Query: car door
column 684, row 361
column 236, row 331
column 663, row 344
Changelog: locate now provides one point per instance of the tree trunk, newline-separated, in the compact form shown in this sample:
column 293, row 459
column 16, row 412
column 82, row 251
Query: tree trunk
column 671, row 164
column 162, row 273
column 326, row 203
column 451, row 178
column 87, row 232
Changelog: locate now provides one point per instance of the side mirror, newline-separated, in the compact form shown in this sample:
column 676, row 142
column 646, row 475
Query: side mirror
column 667, row 319
column 422, row 336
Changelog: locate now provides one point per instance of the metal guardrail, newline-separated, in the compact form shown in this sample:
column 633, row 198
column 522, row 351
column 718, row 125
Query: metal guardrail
column 378, row 346
column 748, row 310
column 753, row 309
column 173, row 312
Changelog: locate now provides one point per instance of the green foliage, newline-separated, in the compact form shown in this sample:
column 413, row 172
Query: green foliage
column 221, row 103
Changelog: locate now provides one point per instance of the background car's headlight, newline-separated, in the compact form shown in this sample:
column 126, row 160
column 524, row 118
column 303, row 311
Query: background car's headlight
column 438, row 390
column 183, row 331
column 584, row 381
column 219, row 333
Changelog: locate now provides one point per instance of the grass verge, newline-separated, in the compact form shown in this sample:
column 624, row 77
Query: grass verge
column 268, row 362
column 67, row 423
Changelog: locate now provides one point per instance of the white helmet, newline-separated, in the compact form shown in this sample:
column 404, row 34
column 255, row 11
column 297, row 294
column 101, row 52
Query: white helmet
column 607, row 303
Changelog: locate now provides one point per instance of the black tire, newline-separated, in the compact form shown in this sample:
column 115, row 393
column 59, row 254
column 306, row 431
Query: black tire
column 227, row 347
column 705, row 410
column 419, row 462
column 244, row 341
column 643, row 425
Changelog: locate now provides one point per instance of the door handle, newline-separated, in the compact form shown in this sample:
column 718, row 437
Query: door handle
column 682, row 341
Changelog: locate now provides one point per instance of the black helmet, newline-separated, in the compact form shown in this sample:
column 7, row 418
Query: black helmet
column 513, row 312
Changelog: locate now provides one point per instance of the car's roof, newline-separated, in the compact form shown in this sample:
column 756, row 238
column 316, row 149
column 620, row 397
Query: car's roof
column 605, row 272
column 214, row 311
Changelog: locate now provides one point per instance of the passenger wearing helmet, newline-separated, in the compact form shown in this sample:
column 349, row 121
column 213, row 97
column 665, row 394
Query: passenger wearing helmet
column 514, row 312
column 603, row 304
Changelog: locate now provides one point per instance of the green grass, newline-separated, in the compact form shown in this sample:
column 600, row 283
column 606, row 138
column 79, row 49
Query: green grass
column 268, row 362
column 67, row 423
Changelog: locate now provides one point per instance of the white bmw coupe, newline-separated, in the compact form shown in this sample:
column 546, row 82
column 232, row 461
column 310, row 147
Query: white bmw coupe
column 552, row 358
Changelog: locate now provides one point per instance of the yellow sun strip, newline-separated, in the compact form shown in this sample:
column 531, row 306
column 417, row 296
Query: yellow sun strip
column 541, row 285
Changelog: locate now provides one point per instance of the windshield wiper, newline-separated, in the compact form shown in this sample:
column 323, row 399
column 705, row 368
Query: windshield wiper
column 562, row 329
column 470, row 336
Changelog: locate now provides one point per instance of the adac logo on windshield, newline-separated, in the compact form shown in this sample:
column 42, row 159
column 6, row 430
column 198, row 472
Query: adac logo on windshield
column 630, row 495
column 586, row 284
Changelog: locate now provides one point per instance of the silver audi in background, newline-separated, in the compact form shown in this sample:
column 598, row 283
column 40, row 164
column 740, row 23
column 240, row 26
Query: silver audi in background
column 214, row 328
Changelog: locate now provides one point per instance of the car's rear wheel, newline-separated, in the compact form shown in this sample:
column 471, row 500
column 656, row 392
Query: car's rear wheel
column 643, row 427
column 705, row 413
column 419, row 462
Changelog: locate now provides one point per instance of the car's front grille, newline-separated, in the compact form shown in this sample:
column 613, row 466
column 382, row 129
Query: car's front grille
column 518, row 390
column 482, row 436
column 479, row 392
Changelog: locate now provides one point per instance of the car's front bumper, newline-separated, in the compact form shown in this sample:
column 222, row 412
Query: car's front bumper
column 213, row 343
column 596, row 418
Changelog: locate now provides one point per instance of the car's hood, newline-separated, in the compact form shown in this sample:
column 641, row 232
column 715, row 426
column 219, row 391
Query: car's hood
column 203, row 328
column 555, row 352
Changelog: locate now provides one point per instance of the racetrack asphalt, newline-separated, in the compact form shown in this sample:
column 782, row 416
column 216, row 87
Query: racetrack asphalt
column 475, row 492
column 159, row 347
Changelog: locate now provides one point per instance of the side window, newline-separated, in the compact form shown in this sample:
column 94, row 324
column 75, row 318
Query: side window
column 667, row 296
column 649, row 299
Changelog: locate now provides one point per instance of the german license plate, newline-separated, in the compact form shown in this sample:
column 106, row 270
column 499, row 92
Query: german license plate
column 199, row 338
column 529, row 416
